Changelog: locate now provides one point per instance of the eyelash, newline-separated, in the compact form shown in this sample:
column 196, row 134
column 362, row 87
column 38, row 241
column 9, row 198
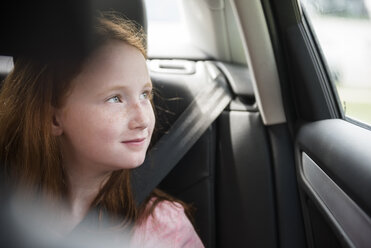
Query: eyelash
column 114, row 97
column 148, row 96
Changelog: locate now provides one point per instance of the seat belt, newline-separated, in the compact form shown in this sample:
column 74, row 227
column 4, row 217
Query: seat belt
column 183, row 134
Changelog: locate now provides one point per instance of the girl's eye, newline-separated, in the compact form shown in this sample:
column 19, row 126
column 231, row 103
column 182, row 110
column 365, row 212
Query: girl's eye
column 114, row 99
column 146, row 95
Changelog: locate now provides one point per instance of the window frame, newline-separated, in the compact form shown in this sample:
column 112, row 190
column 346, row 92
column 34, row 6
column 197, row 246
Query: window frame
column 331, row 84
column 326, row 81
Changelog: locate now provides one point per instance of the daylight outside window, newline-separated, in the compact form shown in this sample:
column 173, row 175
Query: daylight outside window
column 167, row 33
column 343, row 29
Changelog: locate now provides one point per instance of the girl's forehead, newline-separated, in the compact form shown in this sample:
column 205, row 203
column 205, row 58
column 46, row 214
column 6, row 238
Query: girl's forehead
column 114, row 63
column 115, row 53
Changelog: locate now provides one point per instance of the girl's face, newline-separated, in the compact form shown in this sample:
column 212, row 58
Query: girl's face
column 107, row 120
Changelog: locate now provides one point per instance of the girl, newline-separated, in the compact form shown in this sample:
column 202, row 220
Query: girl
column 72, row 130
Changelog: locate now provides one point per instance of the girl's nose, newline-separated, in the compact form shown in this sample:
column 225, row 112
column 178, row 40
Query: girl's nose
column 139, row 118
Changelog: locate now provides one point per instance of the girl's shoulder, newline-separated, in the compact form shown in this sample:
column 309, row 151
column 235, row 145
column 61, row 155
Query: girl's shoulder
column 167, row 226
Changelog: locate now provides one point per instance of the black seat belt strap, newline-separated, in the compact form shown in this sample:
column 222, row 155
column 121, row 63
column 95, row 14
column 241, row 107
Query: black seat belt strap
column 183, row 134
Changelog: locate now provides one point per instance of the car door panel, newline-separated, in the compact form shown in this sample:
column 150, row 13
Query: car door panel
column 334, row 172
column 332, row 155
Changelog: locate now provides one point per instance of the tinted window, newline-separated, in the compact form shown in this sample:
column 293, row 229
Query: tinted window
column 343, row 29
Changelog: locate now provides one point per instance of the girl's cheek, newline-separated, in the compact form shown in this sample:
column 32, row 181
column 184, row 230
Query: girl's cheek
column 150, row 111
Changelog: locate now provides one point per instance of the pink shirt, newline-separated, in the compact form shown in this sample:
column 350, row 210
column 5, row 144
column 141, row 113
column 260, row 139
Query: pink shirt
column 167, row 227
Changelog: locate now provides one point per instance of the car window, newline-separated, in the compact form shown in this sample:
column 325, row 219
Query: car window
column 166, row 29
column 343, row 30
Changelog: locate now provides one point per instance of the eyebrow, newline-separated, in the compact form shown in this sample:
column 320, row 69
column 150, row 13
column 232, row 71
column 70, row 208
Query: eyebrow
column 149, row 84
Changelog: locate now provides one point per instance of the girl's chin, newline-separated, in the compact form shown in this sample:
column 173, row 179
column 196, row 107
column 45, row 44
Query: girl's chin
column 126, row 162
column 135, row 164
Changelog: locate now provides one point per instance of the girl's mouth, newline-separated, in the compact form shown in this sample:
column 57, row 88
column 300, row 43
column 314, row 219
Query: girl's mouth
column 135, row 142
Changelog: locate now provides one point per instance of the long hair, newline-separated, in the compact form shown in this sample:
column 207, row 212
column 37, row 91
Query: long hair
column 30, row 155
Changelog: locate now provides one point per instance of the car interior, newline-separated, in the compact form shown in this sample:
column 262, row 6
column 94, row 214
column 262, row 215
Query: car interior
column 281, row 165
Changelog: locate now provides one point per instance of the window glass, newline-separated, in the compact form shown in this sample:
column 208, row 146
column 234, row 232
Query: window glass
column 167, row 33
column 343, row 29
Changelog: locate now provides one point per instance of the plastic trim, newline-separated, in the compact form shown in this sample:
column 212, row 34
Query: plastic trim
column 260, row 58
column 355, row 224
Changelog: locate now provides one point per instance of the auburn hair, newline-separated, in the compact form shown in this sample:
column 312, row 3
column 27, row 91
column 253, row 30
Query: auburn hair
column 30, row 155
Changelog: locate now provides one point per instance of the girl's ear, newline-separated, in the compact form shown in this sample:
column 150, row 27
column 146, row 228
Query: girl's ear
column 56, row 124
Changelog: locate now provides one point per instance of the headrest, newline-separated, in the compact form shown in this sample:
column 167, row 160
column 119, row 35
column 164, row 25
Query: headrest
column 47, row 28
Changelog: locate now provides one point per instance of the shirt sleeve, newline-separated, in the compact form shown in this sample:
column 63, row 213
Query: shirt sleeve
column 167, row 227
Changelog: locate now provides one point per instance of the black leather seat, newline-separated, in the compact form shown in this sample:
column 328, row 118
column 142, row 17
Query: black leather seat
column 193, row 178
column 227, row 174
